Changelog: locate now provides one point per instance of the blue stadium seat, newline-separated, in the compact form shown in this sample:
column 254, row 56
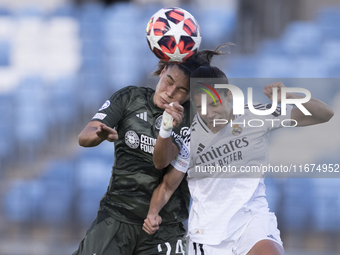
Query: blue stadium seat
column 58, row 183
column 147, row 10
column 4, row 11
column 123, row 11
column 242, row 67
column 63, row 101
column 93, row 173
column 91, row 30
column 91, row 20
column 60, row 172
column 6, row 146
column 310, row 67
column 334, row 71
column 273, row 193
column 328, row 19
column 56, row 203
column 298, row 204
column 5, row 52
column 91, row 11
column 104, row 151
column 124, row 23
column 327, row 205
column 22, row 201
column 330, row 57
column 66, row 9
column 6, row 107
column 217, row 23
column 120, row 70
column 31, row 91
column 302, row 38
column 273, row 66
column 7, row 134
column 93, row 87
column 128, row 30
column 93, row 64
column 47, row 198
column 29, row 11
column 88, row 204
column 93, row 48
column 271, row 47
column 31, row 125
column 30, row 114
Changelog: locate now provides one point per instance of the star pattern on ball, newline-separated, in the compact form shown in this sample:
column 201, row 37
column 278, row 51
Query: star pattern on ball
column 186, row 14
column 176, row 31
column 153, row 39
column 159, row 14
column 197, row 39
column 177, row 56
column 172, row 31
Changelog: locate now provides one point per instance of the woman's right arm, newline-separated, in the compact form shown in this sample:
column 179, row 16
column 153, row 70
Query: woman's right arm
column 160, row 197
column 165, row 150
column 96, row 132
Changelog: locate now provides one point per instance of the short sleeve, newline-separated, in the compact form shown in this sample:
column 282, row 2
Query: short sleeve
column 181, row 134
column 276, row 119
column 181, row 162
column 113, row 109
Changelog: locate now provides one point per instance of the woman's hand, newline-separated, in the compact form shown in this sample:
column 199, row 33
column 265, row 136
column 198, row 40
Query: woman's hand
column 106, row 133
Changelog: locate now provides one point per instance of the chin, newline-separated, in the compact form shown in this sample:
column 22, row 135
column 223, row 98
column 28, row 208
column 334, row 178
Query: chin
column 160, row 104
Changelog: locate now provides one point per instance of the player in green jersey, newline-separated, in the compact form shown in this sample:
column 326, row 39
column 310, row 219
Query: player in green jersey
column 132, row 119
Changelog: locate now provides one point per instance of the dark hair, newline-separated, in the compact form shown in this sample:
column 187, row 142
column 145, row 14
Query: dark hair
column 198, row 59
column 207, row 72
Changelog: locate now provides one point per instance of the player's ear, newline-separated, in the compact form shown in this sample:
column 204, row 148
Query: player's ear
column 187, row 97
column 163, row 71
column 229, row 95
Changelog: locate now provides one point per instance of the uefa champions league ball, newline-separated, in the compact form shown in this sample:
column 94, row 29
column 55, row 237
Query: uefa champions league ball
column 173, row 34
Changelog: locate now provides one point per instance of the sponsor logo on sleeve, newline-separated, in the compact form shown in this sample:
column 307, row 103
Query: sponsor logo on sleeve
column 184, row 152
column 99, row 116
column 105, row 105
column 183, row 137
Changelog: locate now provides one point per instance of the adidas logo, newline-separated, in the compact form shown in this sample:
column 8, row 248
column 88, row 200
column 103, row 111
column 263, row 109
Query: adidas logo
column 272, row 237
column 143, row 116
column 200, row 148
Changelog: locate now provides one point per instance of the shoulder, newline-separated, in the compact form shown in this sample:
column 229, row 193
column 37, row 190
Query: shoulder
column 130, row 92
column 262, row 107
column 257, row 106
column 198, row 127
column 186, row 120
column 194, row 121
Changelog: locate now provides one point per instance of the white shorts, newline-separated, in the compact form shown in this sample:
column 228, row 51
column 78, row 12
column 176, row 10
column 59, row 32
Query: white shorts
column 260, row 227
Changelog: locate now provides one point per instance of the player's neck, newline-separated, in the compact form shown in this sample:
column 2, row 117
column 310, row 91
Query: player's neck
column 215, row 129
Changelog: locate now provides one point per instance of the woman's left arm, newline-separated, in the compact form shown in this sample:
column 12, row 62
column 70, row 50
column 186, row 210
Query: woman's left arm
column 320, row 112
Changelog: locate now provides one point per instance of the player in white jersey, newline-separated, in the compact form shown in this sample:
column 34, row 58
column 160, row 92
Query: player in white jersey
column 228, row 215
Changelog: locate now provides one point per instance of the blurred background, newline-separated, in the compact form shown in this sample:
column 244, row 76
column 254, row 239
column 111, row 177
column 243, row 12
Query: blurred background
column 61, row 59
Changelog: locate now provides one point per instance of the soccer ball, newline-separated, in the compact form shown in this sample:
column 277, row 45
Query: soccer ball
column 173, row 34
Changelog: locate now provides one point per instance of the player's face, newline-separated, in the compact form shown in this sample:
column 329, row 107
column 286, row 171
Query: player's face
column 215, row 111
column 173, row 86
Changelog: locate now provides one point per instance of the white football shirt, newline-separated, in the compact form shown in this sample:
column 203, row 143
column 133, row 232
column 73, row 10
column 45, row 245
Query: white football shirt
column 224, row 200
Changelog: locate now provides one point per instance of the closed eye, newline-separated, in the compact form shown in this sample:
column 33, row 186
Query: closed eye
column 183, row 90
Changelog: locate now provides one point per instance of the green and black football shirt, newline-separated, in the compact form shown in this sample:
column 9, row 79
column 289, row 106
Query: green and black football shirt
column 137, row 120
